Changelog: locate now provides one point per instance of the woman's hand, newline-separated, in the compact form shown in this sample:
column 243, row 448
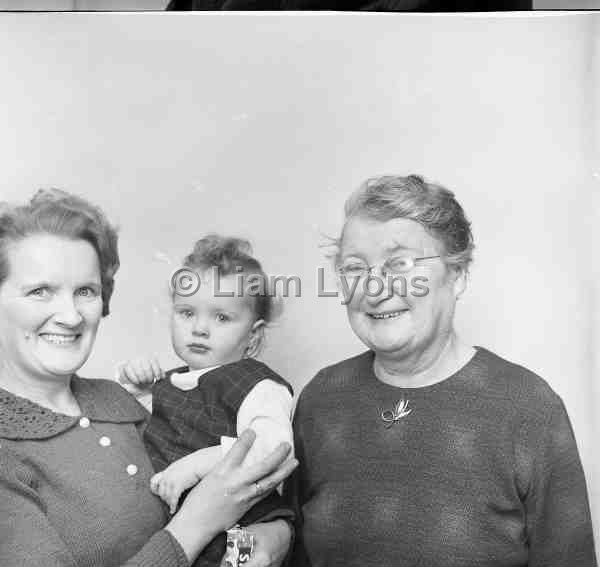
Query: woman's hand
column 226, row 493
column 271, row 543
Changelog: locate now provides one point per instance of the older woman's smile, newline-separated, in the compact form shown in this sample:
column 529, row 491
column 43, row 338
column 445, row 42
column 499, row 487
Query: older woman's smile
column 60, row 339
column 387, row 314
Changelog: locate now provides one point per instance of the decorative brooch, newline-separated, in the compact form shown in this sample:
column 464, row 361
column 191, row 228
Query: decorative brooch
column 392, row 416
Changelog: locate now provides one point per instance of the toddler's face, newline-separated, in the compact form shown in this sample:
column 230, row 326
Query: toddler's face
column 209, row 330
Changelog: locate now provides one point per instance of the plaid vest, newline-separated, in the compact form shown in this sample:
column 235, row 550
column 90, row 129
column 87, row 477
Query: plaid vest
column 184, row 421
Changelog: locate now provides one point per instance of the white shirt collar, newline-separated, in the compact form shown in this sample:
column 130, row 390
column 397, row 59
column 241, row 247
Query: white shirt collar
column 189, row 380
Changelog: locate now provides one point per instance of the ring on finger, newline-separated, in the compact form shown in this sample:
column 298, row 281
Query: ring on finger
column 257, row 488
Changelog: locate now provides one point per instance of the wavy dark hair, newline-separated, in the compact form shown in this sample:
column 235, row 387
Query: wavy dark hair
column 56, row 212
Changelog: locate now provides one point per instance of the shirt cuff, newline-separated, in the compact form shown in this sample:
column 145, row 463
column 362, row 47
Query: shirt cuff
column 226, row 444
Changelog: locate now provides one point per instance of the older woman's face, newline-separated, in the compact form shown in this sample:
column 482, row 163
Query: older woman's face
column 400, row 322
column 50, row 306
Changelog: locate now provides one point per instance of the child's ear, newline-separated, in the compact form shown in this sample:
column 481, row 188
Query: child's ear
column 257, row 334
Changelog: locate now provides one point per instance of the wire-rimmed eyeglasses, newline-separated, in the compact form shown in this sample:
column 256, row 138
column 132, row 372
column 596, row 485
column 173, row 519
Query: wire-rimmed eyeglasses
column 392, row 266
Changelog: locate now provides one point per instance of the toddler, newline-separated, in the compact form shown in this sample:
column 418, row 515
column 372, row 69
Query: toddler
column 199, row 409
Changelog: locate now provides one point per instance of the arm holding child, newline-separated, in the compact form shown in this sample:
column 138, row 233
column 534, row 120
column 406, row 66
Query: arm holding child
column 266, row 410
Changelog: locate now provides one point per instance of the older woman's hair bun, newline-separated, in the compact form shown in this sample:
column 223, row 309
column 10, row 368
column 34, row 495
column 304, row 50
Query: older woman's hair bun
column 231, row 255
column 59, row 213
column 431, row 205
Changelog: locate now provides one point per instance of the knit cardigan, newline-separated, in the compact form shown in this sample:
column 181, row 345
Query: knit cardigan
column 74, row 491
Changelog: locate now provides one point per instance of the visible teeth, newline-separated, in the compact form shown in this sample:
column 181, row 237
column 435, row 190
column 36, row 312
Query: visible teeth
column 59, row 339
column 385, row 315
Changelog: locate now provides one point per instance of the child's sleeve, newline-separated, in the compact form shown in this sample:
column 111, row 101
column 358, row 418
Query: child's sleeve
column 267, row 409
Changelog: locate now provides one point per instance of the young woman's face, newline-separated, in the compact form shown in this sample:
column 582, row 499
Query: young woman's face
column 210, row 329
column 50, row 306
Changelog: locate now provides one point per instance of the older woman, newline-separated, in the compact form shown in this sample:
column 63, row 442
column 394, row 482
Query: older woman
column 74, row 475
column 425, row 451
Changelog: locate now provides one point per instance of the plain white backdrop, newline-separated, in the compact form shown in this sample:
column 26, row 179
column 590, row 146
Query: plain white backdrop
column 261, row 125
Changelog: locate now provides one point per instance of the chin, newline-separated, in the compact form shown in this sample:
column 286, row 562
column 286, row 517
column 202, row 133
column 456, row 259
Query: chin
column 62, row 370
column 383, row 341
column 388, row 341
column 200, row 362
column 196, row 365
column 388, row 347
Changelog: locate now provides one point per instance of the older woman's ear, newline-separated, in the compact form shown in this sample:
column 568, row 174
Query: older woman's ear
column 460, row 281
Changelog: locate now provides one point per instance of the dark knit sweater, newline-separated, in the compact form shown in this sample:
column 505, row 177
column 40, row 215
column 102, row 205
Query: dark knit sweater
column 483, row 472
column 68, row 499
column 184, row 421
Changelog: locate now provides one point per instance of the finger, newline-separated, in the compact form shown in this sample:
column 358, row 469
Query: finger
column 145, row 372
column 130, row 373
column 172, row 502
column 239, row 450
column 259, row 559
column 154, row 482
column 120, row 376
column 270, row 482
column 162, row 491
column 262, row 468
column 157, row 371
column 171, row 492
column 166, row 500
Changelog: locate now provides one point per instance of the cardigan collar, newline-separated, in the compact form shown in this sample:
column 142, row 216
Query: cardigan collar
column 99, row 400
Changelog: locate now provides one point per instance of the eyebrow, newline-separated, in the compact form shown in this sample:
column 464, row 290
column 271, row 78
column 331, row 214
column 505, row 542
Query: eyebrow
column 388, row 250
column 398, row 247
column 45, row 283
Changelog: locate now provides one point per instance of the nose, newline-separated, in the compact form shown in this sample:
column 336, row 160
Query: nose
column 377, row 288
column 200, row 328
column 377, row 270
column 67, row 312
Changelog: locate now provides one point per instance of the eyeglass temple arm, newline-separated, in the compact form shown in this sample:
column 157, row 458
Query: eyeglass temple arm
column 428, row 257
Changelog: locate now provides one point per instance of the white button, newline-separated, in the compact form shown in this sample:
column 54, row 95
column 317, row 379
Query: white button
column 131, row 470
column 84, row 422
column 104, row 441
